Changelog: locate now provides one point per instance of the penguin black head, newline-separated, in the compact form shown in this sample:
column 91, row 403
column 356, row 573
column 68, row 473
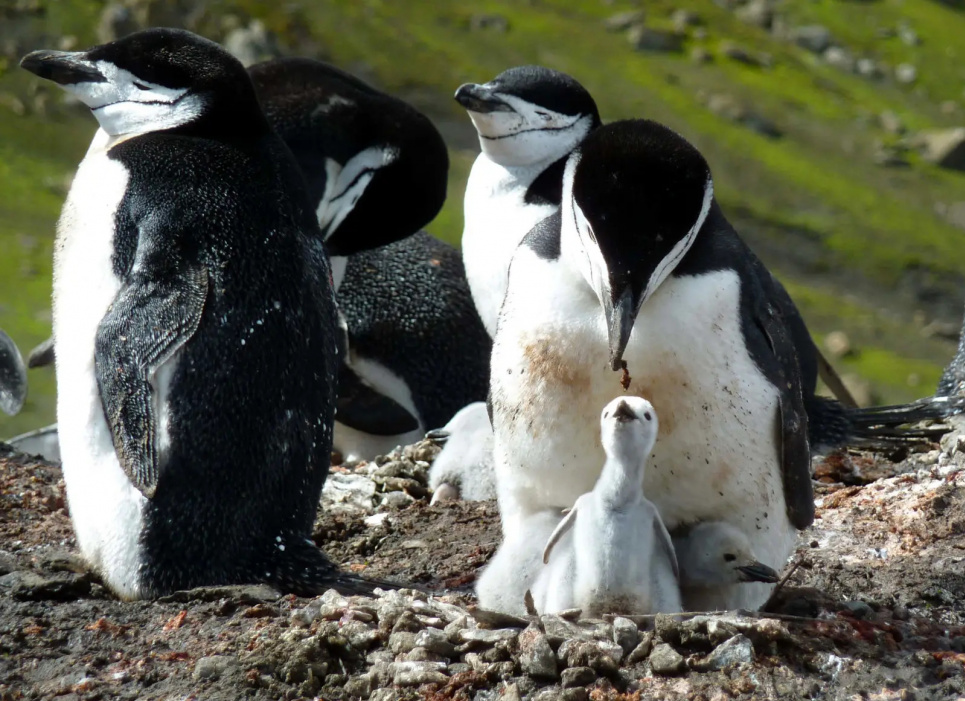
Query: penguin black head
column 376, row 167
column 635, row 196
column 529, row 114
column 155, row 80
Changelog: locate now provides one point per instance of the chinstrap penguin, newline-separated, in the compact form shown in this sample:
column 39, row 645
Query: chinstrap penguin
column 529, row 119
column 464, row 467
column 13, row 376
column 195, row 328
column 640, row 281
column 416, row 351
column 713, row 557
column 621, row 557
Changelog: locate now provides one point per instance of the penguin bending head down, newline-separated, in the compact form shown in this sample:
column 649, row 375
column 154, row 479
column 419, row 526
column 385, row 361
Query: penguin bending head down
column 195, row 328
column 415, row 350
column 529, row 119
column 622, row 559
column 13, row 376
column 639, row 285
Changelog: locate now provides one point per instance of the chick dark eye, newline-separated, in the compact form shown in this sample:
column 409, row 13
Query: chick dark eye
column 545, row 117
column 646, row 415
column 141, row 86
column 729, row 557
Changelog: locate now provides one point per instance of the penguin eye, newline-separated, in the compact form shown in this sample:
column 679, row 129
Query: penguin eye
column 544, row 116
column 729, row 557
column 141, row 86
column 646, row 415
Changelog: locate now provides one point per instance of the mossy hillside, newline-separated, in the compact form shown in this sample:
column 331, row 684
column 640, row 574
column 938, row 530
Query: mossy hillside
column 812, row 202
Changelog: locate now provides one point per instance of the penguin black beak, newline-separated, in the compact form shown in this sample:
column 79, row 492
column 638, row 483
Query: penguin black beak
column 757, row 572
column 620, row 318
column 439, row 436
column 480, row 98
column 62, row 67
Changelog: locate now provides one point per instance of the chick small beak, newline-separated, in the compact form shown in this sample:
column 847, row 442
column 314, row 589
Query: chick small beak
column 62, row 67
column 480, row 98
column 757, row 572
column 624, row 413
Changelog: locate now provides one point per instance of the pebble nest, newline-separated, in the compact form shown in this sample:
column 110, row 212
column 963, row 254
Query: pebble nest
column 873, row 607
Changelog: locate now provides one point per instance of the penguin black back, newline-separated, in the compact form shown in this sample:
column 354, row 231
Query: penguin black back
column 324, row 114
column 214, row 363
column 435, row 339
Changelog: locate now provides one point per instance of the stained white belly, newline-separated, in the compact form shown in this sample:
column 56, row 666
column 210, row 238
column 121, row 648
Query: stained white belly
column 104, row 507
column 497, row 218
column 715, row 457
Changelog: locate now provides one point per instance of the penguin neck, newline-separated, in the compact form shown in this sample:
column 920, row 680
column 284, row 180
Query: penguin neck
column 619, row 486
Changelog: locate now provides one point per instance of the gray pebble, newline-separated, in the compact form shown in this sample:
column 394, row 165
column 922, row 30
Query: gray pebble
column 642, row 651
column 665, row 660
column 859, row 609
column 486, row 637
column 435, row 641
column 625, row 634
column 417, row 673
column 737, row 650
column 536, row 657
column 578, row 676
column 213, row 667
column 402, row 642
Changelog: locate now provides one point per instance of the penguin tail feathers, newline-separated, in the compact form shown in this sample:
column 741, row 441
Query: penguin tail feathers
column 886, row 426
column 304, row 570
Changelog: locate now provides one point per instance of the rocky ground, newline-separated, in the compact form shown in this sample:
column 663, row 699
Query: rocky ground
column 873, row 606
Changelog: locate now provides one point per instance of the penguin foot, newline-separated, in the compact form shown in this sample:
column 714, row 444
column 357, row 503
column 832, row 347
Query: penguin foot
column 444, row 492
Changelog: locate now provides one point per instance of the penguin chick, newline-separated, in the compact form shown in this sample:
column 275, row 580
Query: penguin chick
column 194, row 328
column 529, row 119
column 623, row 560
column 13, row 376
column 464, row 467
column 714, row 556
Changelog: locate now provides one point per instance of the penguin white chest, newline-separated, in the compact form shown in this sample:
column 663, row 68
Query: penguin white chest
column 105, row 508
column 497, row 218
column 716, row 456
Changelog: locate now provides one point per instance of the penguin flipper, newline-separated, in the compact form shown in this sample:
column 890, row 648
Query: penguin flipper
column 13, row 376
column 795, row 452
column 666, row 542
column 361, row 407
column 561, row 528
column 42, row 355
column 149, row 321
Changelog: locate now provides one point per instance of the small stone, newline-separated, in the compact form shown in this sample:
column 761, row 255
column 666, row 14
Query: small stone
column 858, row 609
column 576, row 693
column 944, row 147
column 699, row 54
column 489, row 22
column 402, row 642
column 684, row 19
column 840, row 58
column 58, row 586
column 908, row 35
column 813, row 37
column 417, row 673
column 759, row 13
column 214, row 667
column 625, row 634
column 601, row 655
column 557, row 630
column 906, row 73
column 435, row 641
column 486, row 637
column 665, row 660
column 397, row 500
column 737, row 650
column 868, row 68
column 667, row 627
column 838, row 345
column 644, row 38
column 623, row 20
column 642, row 651
column 536, row 657
column 577, row 676
column 384, row 695
column 738, row 53
column 360, row 635
column 891, row 122
column 510, row 692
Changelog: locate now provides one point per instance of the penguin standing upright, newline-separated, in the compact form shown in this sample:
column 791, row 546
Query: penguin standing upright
column 640, row 282
column 377, row 169
column 195, row 328
column 529, row 119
